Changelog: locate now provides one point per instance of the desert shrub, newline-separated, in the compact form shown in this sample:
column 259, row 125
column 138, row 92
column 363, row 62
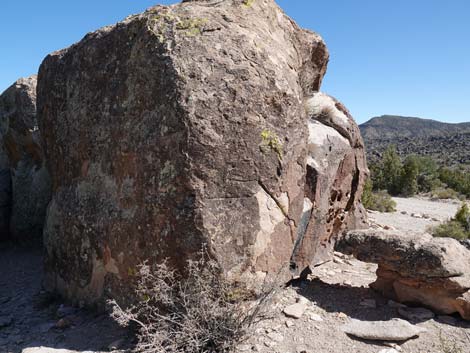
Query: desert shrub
column 200, row 312
column 444, row 193
column 463, row 216
column 377, row 201
column 457, row 179
column 450, row 229
column 458, row 227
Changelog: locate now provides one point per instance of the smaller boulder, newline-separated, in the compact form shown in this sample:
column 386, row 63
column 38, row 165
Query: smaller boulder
column 415, row 268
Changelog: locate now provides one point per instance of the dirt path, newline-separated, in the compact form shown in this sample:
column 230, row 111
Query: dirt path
column 30, row 318
column 416, row 214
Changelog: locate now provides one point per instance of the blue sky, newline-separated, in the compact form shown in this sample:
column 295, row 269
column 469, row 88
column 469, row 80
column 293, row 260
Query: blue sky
column 404, row 57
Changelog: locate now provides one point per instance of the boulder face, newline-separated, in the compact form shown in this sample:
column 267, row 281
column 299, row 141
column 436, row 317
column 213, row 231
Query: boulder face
column 186, row 126
column 415, row 268
column 24, row 180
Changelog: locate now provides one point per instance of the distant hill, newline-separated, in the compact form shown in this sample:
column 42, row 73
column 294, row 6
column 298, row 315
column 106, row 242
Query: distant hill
column 447, row 143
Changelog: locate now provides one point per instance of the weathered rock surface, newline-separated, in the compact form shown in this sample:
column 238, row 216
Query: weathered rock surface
column 392, row 330
column 24, row 180
column 335, row 172
column 415, row 268
column 188, row 125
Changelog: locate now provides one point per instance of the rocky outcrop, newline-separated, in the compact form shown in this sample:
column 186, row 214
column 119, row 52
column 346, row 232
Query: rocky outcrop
column 24, row 180
column 187, row 125
column 415, row 268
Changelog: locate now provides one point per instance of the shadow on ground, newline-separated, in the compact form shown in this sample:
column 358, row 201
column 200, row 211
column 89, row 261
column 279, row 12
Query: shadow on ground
column 340, row 298
column 31, row 318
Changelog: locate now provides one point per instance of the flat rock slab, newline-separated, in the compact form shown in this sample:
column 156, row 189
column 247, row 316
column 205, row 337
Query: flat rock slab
column 392, row 330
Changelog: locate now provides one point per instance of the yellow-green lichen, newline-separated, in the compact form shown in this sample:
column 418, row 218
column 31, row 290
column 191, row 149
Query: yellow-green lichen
column 162, row 24
column 271, row 142
column 248, row 3
column 191, row 26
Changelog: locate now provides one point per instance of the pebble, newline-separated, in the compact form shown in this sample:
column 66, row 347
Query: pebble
column 295, row 310
column 118, row 343
column 316, row 317
column 289, row 323
column 276, row 337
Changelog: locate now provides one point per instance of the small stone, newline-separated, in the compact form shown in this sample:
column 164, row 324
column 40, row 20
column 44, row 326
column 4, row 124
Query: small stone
column 347, row 283
column 116, row 344
column 368, row 303
column 331, row 273
column 276, row 337
column 289, row 323
column 404, row 212
column 316, row 317
column 416, row 314
column 295, row 310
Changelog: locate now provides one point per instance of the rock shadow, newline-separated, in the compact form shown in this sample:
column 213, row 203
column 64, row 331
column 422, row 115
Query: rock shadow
column 352, row 301
column 29, row 317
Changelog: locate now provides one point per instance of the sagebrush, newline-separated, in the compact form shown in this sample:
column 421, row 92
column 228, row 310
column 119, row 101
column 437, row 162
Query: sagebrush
column 200, row 312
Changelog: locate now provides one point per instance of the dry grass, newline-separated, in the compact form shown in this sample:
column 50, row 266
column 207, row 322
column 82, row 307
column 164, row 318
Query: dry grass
column 197, row 313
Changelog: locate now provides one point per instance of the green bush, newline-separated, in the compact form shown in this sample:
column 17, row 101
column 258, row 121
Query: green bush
column 450, row 229
column 377, row 201
column 444, row 194
column 458, row 227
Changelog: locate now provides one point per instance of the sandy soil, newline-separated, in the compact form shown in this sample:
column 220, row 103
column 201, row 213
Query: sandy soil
column 416, row 214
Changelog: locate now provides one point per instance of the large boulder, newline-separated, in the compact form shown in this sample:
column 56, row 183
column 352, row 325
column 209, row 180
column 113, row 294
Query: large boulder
column 415, row 268
column 189, row 125
column 24, row 180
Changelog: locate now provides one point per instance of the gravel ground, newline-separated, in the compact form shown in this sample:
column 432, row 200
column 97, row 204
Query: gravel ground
column 416, row 214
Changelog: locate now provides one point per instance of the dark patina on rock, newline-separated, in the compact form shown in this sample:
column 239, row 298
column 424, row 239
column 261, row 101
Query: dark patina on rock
column 189, row 125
